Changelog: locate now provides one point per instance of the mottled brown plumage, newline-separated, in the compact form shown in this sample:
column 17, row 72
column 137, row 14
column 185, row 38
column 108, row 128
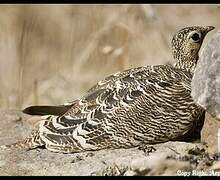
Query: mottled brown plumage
column 149, row 105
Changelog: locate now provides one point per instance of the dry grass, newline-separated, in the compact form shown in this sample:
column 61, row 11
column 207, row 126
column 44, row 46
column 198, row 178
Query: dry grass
column 50, row 54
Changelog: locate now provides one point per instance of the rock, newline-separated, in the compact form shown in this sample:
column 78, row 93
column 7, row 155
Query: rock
column 206, row 91
column 210, row 133
column 206, row 80
column 216, row 167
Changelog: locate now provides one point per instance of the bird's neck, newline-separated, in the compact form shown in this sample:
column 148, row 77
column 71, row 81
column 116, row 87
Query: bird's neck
column 186, row 63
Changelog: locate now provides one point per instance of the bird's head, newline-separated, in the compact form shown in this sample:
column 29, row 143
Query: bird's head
column 186, row 44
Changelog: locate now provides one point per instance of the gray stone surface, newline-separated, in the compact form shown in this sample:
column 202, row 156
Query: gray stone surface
column 206, row 80
column 171, row 158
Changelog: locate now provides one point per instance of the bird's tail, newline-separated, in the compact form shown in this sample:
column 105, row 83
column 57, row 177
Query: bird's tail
column 31, row 142
column 47, row 110
column 38, row 112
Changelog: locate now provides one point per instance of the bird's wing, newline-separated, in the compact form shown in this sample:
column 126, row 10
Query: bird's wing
column 112, row 106
column 61, row 109
column 102, row 94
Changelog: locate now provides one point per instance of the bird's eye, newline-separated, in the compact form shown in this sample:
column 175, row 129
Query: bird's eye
column 195, row 36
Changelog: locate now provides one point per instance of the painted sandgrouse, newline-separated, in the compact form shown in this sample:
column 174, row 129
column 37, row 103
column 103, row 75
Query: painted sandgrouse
column 150, row 104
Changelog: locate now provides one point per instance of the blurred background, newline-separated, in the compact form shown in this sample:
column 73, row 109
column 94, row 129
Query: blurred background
column 51, row 54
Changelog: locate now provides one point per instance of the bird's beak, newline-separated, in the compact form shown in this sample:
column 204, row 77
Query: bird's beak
column 209, row 28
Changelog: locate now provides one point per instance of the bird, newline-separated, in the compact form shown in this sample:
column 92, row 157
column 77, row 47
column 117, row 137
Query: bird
column 143, row 105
